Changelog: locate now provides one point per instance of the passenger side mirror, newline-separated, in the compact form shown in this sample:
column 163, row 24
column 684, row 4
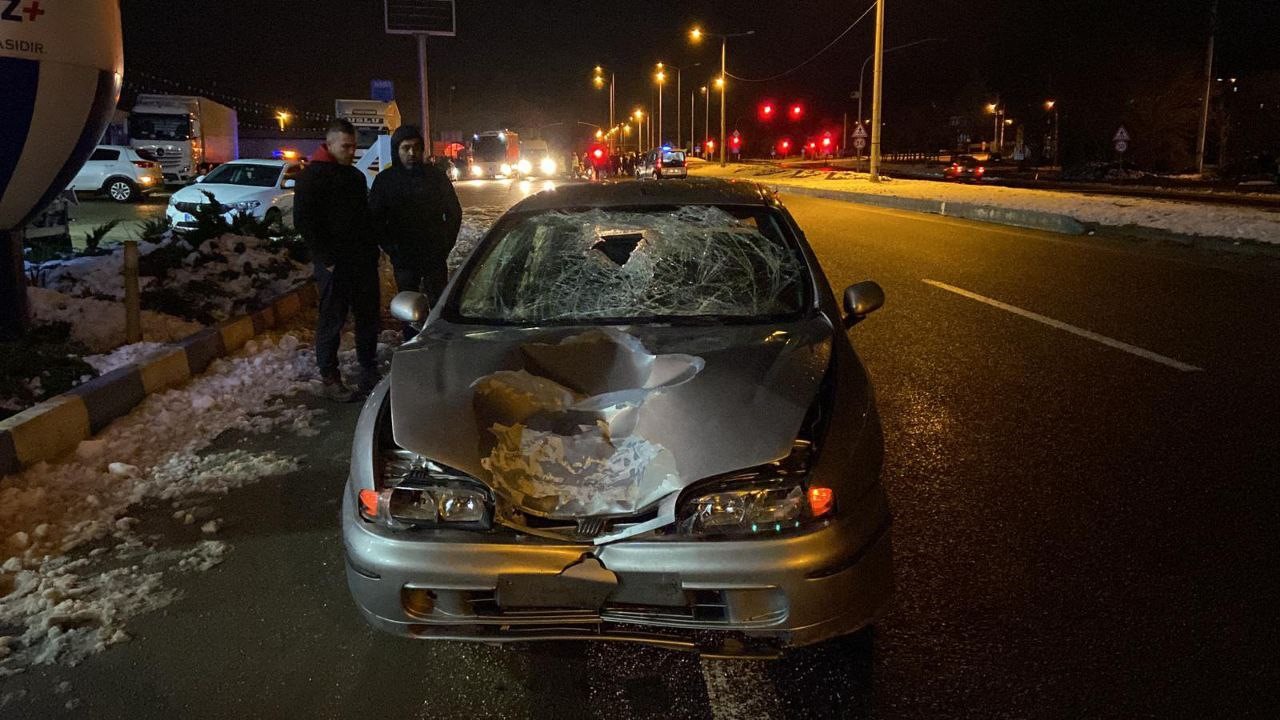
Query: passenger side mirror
column 411, row 307
column 861, row 300
column 289, row 184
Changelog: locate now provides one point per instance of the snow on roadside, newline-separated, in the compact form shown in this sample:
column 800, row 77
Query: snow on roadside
column 57, row 609
column 99, row 324
column 1203, row 219
column 476, row 221
column 125, row 355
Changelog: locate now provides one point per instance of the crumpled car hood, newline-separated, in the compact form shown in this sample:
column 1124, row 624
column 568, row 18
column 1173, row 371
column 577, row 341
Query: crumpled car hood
column 576, row 422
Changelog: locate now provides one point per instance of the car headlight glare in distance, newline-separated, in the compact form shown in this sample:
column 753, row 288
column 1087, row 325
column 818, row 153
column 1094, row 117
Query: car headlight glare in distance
column 547, row 166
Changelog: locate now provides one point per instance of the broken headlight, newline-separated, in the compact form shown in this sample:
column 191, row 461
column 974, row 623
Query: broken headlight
column 417, row 492
column 767, row 500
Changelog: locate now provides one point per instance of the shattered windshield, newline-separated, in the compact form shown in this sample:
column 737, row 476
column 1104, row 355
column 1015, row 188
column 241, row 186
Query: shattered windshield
column 662, row 264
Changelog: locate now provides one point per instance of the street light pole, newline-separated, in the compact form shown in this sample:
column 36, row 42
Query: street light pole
column 877, row 87
column 1208, row 90
column 706, row 119
column 724, row 86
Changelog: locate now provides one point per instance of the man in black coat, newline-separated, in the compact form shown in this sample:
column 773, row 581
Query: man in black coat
column 331, row 211
column 416, row 215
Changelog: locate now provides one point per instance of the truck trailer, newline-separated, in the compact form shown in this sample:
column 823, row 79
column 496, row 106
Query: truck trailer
column 187, row 134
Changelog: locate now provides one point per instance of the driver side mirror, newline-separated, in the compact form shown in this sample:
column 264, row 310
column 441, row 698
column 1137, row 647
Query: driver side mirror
column 860, row 300
column 289, row 184
column 411, row 307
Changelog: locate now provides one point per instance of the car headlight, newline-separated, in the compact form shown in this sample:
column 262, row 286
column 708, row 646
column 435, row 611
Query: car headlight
column 547, row 166
column 506, row 169
column 244, row 205
column 416, row 492
column 477, row 171
column 761, row 501
column 453, row 173
column 525, row 167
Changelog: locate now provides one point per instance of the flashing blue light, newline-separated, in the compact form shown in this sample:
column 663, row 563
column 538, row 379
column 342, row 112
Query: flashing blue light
column 667, row 148
column 277, row 154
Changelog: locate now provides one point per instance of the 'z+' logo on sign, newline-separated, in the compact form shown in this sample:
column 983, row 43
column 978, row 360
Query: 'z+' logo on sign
column 15, row 9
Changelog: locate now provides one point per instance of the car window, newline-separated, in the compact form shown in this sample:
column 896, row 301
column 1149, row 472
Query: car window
column 673, row 158
column 105, row 154
column 631, row 265
column 245, row 174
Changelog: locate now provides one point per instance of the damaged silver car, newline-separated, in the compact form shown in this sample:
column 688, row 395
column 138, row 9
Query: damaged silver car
column 634, row 415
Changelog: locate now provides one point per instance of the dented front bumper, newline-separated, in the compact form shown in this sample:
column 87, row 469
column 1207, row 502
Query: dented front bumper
column 719, row 597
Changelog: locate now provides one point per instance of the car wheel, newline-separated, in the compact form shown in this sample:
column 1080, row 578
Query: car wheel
column 121, row 190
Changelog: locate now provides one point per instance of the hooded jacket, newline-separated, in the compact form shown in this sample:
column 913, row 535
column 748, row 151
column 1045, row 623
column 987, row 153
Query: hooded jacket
column 331, row 210
column 416, row 213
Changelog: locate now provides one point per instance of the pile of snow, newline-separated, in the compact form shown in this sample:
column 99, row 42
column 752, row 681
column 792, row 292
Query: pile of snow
column 54, row 608
column 223, row 277
column 1178, row 217
column 136, row 353
column 99, row 324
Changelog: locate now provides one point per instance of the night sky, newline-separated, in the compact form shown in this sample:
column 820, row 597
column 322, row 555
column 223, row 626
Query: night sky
column 523, row 63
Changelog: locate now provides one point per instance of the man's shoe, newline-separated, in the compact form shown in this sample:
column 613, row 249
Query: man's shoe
column 333, row 388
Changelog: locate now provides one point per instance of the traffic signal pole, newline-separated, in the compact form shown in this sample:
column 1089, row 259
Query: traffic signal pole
column 877, row 85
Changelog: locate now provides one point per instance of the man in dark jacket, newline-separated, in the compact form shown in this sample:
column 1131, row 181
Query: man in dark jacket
column 331, row 211
column 416, row 215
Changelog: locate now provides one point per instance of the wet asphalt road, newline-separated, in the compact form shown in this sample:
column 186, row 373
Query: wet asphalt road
column 1080, row 531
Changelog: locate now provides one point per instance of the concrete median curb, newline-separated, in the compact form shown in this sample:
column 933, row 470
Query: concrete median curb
column 1033, row 219
column 56, row 426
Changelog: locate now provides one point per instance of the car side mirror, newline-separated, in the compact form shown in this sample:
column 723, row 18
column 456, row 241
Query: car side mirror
column 860, row 300
column 199, row 178
column 290, row 183
column 411, row 307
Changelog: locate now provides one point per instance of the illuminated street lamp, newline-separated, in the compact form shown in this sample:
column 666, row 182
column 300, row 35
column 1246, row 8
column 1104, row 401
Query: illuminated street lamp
column 660, row 77
column 997, row 127
column 598, row 80
column 283, row 117
column 639, row 116
column 696, row 35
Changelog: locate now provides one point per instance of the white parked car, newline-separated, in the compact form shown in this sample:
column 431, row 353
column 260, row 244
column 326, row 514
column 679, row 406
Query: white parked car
column 118, row 172
column 261, row 188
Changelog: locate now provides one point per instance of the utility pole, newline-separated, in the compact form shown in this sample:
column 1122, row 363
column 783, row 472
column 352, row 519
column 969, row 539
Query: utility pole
column 724, row 85
column 679, row 104
column 1208, row 89
column 422, row 78
column 877, row 85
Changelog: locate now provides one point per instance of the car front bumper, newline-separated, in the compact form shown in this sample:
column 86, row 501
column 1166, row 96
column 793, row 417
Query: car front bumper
column 730, row 598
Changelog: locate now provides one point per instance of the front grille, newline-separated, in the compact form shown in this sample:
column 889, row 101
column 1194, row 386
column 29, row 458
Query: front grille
column 193, row 208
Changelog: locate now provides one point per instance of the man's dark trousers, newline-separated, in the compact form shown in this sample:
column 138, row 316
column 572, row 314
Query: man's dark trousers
column 343, row 289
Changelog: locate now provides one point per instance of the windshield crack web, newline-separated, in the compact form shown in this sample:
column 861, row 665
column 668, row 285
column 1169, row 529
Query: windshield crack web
column 574, row 265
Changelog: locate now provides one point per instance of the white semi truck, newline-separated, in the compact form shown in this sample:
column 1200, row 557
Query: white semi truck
column 371, row 118
column 186, row 134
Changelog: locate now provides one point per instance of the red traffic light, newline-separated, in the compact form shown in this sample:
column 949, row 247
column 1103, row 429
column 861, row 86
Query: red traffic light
column 710, row 143
column 598, row 153
column 766, row 110
column 784, row 145
column 826, row 142
column 797, row 111
column 736, row 140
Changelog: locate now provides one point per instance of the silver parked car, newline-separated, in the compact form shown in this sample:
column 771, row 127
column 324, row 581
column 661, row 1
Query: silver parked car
column 634, row 415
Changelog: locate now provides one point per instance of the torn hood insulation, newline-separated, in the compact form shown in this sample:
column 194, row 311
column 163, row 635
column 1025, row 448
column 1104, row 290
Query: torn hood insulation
column 570, row 423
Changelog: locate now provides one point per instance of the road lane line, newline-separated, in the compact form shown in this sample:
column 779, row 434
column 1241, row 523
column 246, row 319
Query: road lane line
column 1103, row 339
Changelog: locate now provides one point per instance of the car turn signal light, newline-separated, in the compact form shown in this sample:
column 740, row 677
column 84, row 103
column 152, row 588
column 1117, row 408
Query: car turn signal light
column 369, row 504
column 821, row 501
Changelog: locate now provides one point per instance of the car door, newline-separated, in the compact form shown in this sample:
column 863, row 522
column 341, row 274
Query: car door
column 284, row 196
column 94, row 171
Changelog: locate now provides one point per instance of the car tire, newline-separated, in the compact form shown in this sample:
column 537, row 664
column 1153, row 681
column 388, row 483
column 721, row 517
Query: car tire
column 121, row 190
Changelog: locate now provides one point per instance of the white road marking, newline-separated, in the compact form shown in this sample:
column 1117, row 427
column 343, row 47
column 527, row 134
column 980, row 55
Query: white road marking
column 1102, row 339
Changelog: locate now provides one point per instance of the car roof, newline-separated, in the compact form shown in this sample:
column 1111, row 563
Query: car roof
column 621, row 193
column 263, row 161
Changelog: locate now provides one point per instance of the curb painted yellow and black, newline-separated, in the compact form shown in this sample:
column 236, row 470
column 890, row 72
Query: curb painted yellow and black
column 56, row 426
